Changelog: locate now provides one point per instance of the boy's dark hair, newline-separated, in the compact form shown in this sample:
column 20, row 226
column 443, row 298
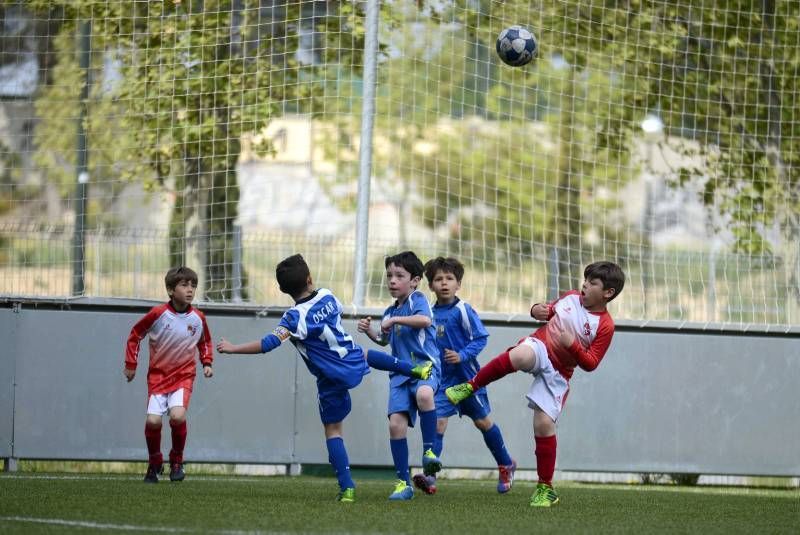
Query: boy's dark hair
column 408, row 261
column 292, row 274
column 177, row 274
column 609, row 273
column 448, row 265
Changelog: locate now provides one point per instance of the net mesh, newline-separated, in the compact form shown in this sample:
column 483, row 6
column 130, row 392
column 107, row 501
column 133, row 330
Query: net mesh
column 664, row 136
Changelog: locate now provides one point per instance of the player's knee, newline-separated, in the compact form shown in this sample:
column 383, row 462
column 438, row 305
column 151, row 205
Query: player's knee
column 522, row 357
column 177, row 416
column 484, row 424
column 153, row 421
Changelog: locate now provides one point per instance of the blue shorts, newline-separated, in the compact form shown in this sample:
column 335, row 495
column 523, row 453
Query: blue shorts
column 403, row 397
column 476, row 406
column 334, row 401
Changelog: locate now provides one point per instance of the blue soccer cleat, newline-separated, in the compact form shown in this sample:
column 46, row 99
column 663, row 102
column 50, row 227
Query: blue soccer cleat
column 402, row 491
column 430, row 463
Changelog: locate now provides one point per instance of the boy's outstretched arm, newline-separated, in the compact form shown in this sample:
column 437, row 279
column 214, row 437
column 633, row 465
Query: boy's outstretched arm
column 364, row 327
column 224, row 346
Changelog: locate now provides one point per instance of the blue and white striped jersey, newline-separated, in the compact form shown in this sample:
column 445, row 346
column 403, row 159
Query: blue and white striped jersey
column 408, row 343
column 459, row 328
column 314, row 326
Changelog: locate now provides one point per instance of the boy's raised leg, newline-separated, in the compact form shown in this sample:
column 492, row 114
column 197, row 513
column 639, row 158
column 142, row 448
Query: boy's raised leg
column 383, row 361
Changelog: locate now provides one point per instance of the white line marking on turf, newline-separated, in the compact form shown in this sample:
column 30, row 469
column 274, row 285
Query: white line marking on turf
column 84, row 524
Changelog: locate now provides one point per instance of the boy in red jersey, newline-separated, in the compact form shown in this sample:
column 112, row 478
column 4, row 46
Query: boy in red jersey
column 578, row 332
column 178, row 334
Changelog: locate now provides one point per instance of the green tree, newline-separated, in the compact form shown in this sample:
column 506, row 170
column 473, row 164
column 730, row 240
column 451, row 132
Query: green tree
column 195, row 77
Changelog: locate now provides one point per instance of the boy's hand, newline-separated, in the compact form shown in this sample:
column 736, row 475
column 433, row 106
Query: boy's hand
column 129, row 374
column 208, row 371
column 363, row 324
column 539, row 311
column 223, row 346
column 451, row 357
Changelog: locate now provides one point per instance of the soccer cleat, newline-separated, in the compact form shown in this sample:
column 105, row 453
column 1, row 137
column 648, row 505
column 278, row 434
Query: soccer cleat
column 506, row 478
column 458, row 393
column 430, row 463
column 176, row 472
column 422, row 371
column 346, row 495
column 544, row 496
column 402, row 491
column 152, row 473
column 426, row 484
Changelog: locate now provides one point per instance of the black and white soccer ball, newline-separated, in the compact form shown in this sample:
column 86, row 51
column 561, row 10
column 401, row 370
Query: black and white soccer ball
column 516, row 46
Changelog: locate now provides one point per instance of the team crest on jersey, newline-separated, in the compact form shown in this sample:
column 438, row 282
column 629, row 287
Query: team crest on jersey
column 398, row 329
column 281, row 332
column 192, row 329
column 440, row 331
column 587, row 329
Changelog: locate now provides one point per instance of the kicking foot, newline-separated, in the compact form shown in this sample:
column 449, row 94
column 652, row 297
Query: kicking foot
column 458, row 393
column 422, row 371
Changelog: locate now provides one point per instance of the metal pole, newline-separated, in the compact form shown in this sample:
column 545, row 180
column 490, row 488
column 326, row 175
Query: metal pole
column 82, row 164
column 365, row 151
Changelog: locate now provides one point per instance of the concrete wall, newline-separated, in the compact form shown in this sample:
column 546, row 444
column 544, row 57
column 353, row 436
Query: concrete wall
column 662, row 400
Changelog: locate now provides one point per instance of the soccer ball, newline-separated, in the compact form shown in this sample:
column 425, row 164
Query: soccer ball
column 516, row 46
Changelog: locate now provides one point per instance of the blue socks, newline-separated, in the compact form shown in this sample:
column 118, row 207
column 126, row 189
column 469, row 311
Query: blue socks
column 438, row 446
column 383, row 361
column 494, row 441
column 427, row 424
column 399, row 448
column 337, row 456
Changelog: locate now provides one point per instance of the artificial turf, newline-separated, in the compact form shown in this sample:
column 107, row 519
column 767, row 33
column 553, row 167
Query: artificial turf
column 37, row 503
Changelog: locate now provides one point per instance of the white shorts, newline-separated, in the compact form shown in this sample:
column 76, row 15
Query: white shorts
column 159, row 404
column 549, row 389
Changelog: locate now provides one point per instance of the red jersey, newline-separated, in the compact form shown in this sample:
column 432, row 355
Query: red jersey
column 176, row 339
column 593, row 332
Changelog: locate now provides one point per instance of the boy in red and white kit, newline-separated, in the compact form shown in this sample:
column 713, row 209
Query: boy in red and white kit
column 578, row 332
column 178, row 334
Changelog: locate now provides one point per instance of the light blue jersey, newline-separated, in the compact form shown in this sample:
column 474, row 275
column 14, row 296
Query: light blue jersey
column 314, row 326
column 410, row 344
column 459, row 328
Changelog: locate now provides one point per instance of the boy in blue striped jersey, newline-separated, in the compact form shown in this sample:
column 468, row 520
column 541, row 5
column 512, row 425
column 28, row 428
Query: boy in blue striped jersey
column 408, row 326
column 314, row 326
column 460, row 337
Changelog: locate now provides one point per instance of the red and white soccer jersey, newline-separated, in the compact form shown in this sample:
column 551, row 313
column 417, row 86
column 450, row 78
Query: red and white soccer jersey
column 593, row 332
column 176, row 339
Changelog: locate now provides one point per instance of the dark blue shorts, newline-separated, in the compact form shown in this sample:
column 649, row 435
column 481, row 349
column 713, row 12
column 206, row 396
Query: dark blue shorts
column 334, row 401
column 403, row 398
column 476, row 406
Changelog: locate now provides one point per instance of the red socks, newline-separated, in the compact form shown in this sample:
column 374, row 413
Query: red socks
column 546, row 458
column 495, row 369
column 178, row 441
column 152, row 436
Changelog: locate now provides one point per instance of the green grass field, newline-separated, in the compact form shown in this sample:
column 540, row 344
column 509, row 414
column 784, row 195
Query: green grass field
column 36, row 503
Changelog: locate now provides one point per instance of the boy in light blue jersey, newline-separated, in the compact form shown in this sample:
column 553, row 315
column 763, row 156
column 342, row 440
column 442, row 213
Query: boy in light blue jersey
column 460, row 337
column 408, row 326
column 314, row 326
